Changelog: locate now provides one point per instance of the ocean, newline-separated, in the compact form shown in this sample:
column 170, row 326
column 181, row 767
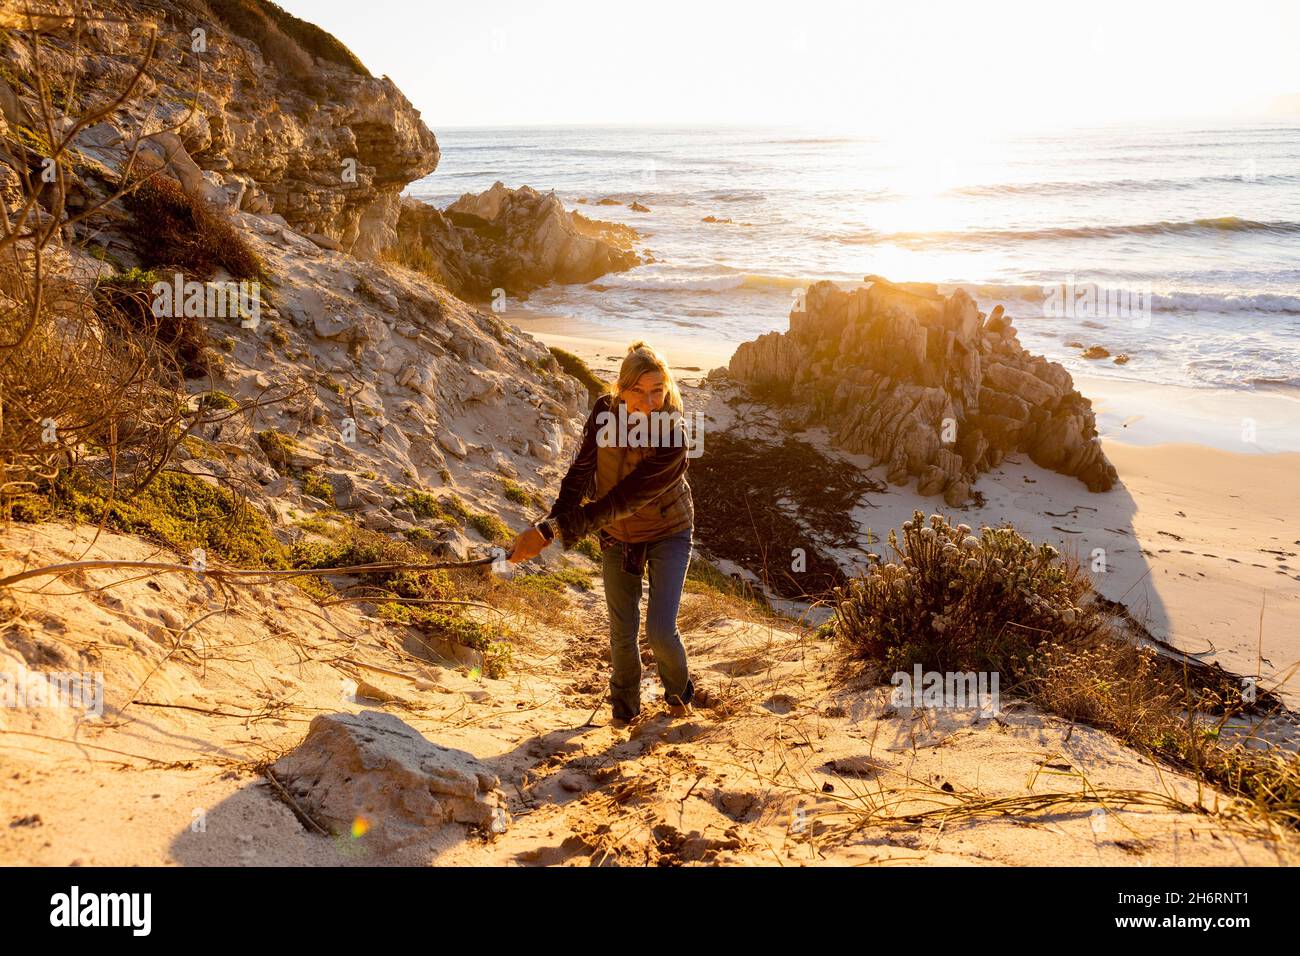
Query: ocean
column 1178, row 246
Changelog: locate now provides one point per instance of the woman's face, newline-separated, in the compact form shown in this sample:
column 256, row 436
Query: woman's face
column 647, row 395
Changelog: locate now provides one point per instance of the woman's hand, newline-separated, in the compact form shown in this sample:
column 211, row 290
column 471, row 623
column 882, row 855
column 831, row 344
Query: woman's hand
column 529, row 544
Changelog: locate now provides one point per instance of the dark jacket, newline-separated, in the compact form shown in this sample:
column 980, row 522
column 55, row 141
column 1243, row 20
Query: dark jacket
column 641, row 494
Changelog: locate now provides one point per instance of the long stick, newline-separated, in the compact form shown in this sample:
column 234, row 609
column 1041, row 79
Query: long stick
column 57, row 570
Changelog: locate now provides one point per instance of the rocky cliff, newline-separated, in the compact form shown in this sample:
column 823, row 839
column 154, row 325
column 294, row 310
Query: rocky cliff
column 352, row 383
column 925, row 384
column 251, row 106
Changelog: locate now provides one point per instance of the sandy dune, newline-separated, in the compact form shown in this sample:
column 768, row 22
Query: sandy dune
column 782, row 763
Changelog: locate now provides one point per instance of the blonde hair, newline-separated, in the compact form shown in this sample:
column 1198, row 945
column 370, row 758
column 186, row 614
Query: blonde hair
column 641, row 358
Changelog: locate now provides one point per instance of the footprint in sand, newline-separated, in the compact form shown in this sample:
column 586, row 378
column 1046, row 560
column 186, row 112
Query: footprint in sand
column 780, row 703
column 739, row 805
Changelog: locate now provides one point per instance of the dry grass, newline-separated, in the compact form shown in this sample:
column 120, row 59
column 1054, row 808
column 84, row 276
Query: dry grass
column 69, row 380
column 177, row 232
column 575, row 366
column 125, row 303
column 285, row 41
column 954, row 602
column 523, row 604
column 709, row 594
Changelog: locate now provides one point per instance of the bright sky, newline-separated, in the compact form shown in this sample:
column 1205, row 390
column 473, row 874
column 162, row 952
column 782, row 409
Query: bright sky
column 849, row 65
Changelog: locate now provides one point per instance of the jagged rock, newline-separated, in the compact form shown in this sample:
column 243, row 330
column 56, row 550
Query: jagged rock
column 169, row 146
column 331, row 326
column 514, row 239
column 452, row 443
column 450, row 544
column 325, row 242
column 372, row 767
column 345, row 490
column 304, row 459
column 419, row 377
column 914, row 379
column 505, row 466
column 1096, row 352
column 551, row 444
column 482, row 388
column 379, row 519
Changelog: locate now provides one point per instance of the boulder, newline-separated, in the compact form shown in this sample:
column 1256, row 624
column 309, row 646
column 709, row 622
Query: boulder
column 345, row 490
column 376, row 778
column 330, row 326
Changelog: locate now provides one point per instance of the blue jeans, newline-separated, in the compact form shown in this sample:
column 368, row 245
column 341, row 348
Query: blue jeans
column 666, row 563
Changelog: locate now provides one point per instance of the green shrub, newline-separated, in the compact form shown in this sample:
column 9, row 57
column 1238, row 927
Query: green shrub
column 425, row 504
column 579, row 369
column 557, row 581
column 279, row 448
column 520, row 495
column 318, row 487
column 453, row 506
column 490, row 527
column 178, row 510
column 353, row 545
column 954, row 602
column 356, row 546
column 590, row 547
column 218, row 401
column 951, row 601
column 418, row 536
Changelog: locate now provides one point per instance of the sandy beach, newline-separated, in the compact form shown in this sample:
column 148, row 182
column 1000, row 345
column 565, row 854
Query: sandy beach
column 603, row 348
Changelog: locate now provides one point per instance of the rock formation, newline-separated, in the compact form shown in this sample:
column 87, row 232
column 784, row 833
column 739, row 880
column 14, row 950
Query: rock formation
column 259, row 111
column 926, row 385
column 374, row 777
column 512, row 239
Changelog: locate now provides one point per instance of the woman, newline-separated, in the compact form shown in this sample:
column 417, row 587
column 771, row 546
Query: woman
column 634, row 454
